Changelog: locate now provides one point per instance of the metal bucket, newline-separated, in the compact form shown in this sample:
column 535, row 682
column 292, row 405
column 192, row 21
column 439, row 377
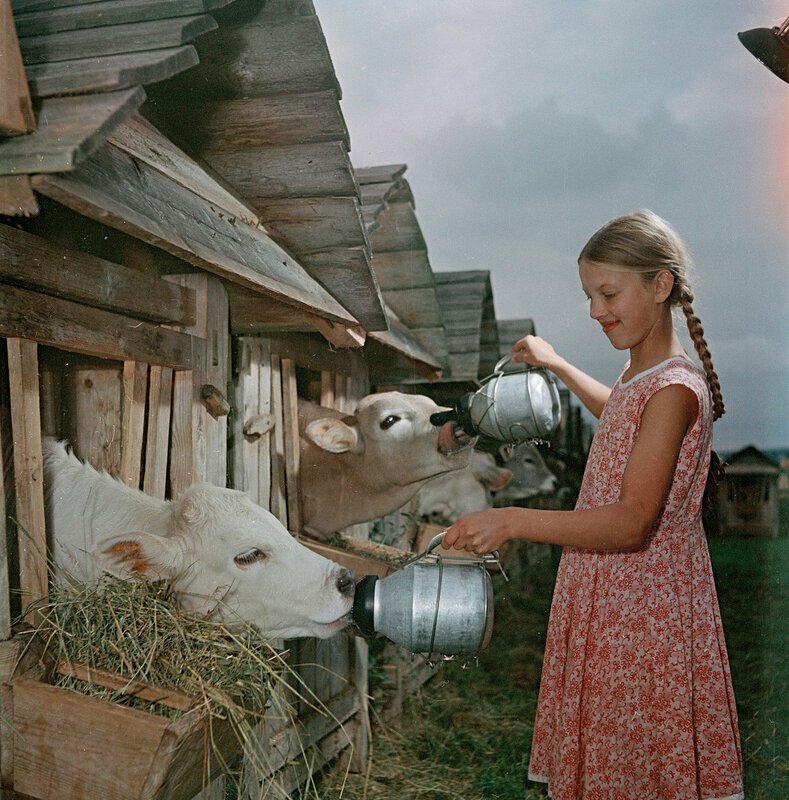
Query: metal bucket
column 516, row 404
column 435, row 604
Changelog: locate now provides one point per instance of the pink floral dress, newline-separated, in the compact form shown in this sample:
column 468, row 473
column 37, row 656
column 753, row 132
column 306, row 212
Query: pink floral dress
column 636, row 698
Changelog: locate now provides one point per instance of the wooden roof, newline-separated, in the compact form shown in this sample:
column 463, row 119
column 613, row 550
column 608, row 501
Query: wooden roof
column 279, row 116
column 466, row 300
column 510, row 331
column 399, row 256
column 750, row 461
column 262, row 109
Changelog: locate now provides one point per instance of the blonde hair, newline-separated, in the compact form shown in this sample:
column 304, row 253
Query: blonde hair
column 645, row 243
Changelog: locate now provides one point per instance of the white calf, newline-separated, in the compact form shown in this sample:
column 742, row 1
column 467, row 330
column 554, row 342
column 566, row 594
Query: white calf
column 224, row 555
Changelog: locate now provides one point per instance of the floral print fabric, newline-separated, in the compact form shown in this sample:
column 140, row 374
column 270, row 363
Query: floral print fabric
column 635, row 696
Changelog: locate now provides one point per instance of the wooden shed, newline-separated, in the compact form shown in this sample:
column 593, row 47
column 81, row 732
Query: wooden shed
column 748, row 495
column 183, row 256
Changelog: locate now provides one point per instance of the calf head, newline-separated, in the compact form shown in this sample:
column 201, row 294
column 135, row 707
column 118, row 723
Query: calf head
column 228, row 558
column 357, row 468
column 531, row 476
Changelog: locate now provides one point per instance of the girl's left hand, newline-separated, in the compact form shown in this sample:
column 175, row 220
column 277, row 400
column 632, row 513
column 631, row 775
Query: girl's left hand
column 481, row 532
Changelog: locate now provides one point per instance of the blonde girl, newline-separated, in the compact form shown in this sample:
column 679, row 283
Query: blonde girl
column 635, row 696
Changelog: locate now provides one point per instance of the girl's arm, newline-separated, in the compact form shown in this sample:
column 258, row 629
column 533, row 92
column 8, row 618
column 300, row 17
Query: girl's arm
column 624, row 525
column 537, row 352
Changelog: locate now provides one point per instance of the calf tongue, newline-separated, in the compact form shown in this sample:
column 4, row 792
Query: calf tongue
column 447, row 440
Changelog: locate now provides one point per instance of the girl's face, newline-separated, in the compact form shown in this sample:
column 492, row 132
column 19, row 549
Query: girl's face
column 627, row 307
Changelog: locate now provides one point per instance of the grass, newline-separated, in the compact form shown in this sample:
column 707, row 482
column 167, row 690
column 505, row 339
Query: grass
column 467, row 735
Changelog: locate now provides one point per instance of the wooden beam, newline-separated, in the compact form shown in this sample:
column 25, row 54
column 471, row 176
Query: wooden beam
column 415, row 307
column 69, row 130
column 135, row 390
column 109, row 73
column 403, row 269
column 6, row 493
column 158, row 431
column 16, row 197
column 131, row 196
column 387, row 173
column 16, row 108
column 29, row 474
column 278, row 504
column 291, row 429
column 399, row 230
column 29, row 261
column 110, row 12
column 113, row 39
column 81, row 329
column 137, row 137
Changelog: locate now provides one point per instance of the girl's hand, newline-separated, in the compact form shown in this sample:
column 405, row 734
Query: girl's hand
column 481, row 532
column 536, row 351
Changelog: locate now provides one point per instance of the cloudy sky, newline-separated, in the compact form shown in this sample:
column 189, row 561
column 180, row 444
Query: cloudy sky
column 527, row 124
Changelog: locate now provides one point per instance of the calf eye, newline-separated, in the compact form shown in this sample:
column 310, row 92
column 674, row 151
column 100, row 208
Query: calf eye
column 249, row 557
column 387, row 422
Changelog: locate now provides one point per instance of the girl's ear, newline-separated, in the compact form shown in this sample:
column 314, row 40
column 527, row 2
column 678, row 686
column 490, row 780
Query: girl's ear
column 664, row 283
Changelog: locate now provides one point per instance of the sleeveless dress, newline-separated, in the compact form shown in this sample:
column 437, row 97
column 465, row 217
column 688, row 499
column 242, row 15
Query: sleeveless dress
column 635, row 697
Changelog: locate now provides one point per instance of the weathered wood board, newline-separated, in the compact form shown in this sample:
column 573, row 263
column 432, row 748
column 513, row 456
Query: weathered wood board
column 16, row 108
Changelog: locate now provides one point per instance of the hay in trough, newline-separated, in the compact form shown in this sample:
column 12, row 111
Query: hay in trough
column 135, row 630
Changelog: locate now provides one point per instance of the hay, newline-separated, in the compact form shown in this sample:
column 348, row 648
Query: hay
column 135, row 629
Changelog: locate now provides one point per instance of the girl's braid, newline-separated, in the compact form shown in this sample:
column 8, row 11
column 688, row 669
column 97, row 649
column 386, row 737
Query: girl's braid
column 702, row 349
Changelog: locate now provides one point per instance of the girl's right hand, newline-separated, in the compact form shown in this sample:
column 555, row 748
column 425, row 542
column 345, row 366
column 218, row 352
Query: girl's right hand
column 536, row 351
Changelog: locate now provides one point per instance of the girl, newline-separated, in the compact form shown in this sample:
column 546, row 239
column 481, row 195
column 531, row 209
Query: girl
column 635, row 696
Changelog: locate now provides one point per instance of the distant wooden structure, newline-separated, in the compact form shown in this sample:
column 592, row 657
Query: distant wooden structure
column 748, row 495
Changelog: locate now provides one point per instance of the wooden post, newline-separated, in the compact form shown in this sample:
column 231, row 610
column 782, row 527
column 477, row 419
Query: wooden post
column 291, row 420
column 28, row 471
column 135, row 389
column 327, row 389
column 183, row 469
column 5, row 473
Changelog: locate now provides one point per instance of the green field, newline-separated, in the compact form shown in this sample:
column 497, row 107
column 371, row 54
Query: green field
column 467, row 735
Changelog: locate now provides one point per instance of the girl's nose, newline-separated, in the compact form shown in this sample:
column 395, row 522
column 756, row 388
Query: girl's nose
column 595, row 309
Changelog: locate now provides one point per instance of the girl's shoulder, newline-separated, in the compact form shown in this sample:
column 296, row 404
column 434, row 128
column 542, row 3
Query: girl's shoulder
column 675, row 370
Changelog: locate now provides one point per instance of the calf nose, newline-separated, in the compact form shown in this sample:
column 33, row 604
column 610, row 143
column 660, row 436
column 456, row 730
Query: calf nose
column 346, row 582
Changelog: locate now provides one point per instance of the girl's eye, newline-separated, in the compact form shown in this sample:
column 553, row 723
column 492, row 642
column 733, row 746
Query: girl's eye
column 249, row 557
column 387, row 422
column 610, row 295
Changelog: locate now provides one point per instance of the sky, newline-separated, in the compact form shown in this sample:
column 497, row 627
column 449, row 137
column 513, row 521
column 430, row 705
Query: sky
column 527, row 124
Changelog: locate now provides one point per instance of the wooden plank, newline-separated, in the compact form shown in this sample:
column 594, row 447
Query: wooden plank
column 92, row 406
column 16, row 197
column 291, row 430
column 403, row 269
column 327, row 389
column 28, row 473
column 158, row 432
column 416, row 308
column 233, row 125
column 35, row 263
column 131, row 196
column 362, row 730
column 399, row 230
column 16, row 108
column 256, row 58
column 135, row 391
column 113, row 39
column 6, row 493
column 108, row 73
column 278, row 502
column 137, row 137
column 110, row 12
column 399, row 339
column 316, row 169
column 69, row 130
column 358, row 562
column 383, row 174
column 71, row 326
column 209, row 433
column 309, row 224
column 186, row 408
column 103, row 748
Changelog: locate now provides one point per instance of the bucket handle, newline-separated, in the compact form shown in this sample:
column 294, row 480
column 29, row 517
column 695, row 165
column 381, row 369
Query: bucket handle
column 488, row 558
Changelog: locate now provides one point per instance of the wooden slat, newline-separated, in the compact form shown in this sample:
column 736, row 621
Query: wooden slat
column 183, row 458
column 6, row 492
column 34, row 263
column 135, row 391
column 69, row 130
column 415, row 307
column 309, row 224
column 257, row 58
column 137, row 137
column 16, row 109
column 114, row 39
column 403, row 269
column 233, row 125
column 318, row 169
column 109, row 12
column 291, row 431
column 386, row 173
column 160, row 387
column 399, row 230
column 278, row 502
column 131, row 196
column 71, row 326
column 28, row 472
column 108, row 73
column 399, row 338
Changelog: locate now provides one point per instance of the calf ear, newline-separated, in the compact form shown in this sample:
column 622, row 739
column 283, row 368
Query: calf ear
column 497, row 478
column 333, row 435
column 138, row 554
